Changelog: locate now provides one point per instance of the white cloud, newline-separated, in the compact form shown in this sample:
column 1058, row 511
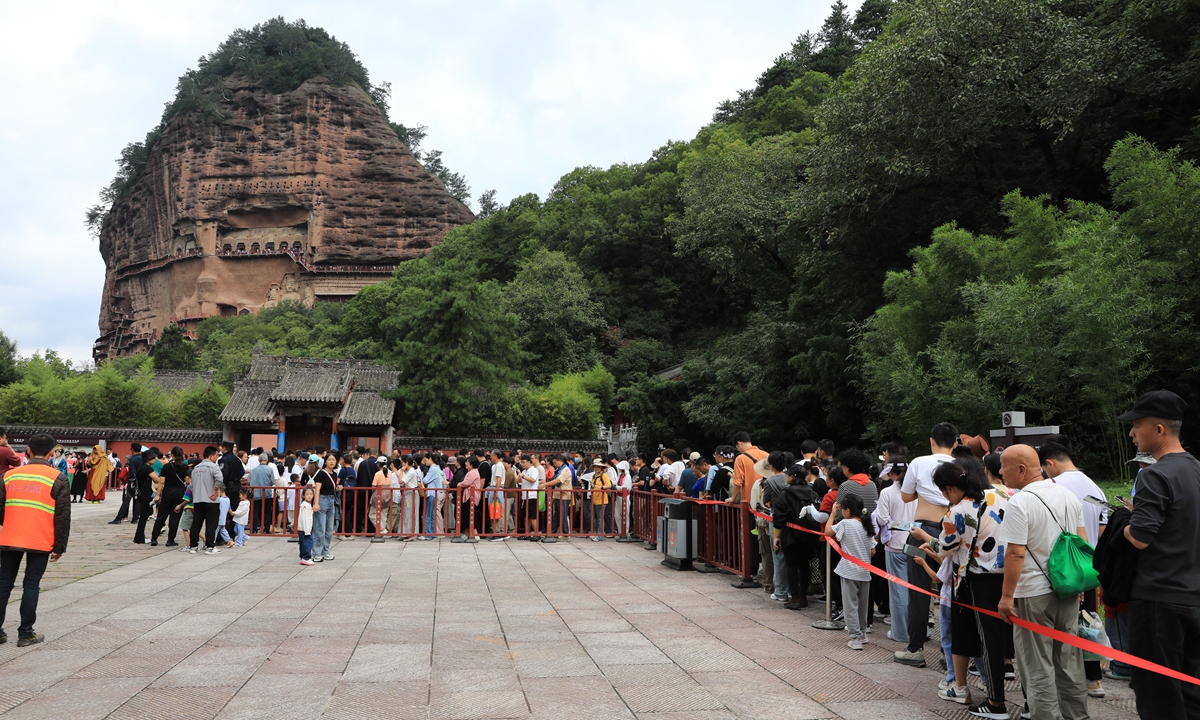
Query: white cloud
column 514, row 93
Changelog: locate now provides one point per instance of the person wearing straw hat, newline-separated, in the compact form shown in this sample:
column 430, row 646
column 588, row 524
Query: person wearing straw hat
column 770, row 470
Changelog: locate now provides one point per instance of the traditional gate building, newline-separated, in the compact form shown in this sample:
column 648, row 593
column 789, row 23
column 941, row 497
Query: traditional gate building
column 307, row 402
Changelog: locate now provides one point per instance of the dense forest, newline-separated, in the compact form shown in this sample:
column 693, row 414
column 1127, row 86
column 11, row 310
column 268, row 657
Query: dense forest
column 928, row 210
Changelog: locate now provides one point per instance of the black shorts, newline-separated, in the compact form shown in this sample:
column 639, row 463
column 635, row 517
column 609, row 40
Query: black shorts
column 981, row 590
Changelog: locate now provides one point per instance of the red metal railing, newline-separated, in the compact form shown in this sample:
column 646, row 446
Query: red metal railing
column 407, row 513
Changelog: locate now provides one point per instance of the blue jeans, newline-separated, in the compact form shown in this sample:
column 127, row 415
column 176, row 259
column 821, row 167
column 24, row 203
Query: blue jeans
column 306, row 543
column 598, row 519
column 1116, row 624
column 431, row 515
column 35, row 567
column 946, row 642
column 240, row 540
column 898, row 595
column 780, row 575
column 323, row 528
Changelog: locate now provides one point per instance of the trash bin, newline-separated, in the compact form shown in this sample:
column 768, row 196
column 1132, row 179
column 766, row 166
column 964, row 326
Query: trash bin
column 678, row 537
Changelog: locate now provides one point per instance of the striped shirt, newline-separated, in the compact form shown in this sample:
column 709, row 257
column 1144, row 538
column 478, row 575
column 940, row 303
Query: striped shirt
column 865, row 492
column 853, row 538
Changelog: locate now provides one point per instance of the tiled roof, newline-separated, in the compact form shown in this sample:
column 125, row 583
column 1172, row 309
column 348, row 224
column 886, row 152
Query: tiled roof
column 323, row 385
column 279, row 380
column 367, row 408
column 250, row 402
column 155, row 435
column 180, row 380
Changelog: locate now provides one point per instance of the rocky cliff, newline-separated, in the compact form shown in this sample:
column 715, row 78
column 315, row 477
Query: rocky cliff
column 306, row 195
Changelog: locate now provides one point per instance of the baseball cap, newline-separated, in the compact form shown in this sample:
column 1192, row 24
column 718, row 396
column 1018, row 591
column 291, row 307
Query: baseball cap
column 694, row 456
column 797, row 469
column 598, row 462
column 1157, row 403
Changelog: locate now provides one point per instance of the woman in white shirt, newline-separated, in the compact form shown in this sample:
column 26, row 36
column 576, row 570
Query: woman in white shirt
column 409, row 500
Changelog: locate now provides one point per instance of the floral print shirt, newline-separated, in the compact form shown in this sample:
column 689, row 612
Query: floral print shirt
column 959, row 528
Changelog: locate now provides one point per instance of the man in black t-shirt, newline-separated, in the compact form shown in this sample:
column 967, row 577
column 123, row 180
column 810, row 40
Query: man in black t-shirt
column 1164, row 613
column 142, row 491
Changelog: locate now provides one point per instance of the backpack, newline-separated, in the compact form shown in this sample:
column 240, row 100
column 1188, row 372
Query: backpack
column 1070, row 567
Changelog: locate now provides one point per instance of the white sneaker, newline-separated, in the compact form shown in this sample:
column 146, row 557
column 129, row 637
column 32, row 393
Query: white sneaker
column 960, row 695
column 192, row 551
column 213, row 551
column 496, row 539
column 328, row 556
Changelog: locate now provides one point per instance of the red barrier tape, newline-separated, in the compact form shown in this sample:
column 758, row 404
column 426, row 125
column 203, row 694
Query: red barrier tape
column 1051, row 633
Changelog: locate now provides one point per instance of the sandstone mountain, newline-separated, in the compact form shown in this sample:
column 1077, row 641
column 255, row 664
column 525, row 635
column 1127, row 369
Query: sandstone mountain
column 306, row 195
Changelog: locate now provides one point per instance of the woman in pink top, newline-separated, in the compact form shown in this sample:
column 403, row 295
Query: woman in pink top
column 469, row 489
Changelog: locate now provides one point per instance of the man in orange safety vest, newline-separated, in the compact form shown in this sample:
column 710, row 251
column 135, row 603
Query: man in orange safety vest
column 35, row 521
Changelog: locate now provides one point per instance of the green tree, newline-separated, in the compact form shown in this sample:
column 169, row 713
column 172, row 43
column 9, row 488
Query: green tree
column 200, row 406
column 174, row 351
column 9, row 370
column 562, row 409
column 836, row 42
column 448, row 335
column 559, row 324
column 1056, row 318
column 740, row 217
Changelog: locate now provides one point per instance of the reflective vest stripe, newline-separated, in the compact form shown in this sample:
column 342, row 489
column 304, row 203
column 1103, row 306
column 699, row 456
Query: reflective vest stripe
column 29, row 508
column 33, row 504
column 29, row 478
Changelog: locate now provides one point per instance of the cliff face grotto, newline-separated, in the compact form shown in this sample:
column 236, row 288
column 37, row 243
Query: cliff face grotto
column 306, row 195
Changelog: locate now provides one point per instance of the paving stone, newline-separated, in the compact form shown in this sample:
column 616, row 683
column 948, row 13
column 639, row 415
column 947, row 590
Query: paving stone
column 79, row 699
column 478, row 705
column 378, row 663
column 193, row 703
column 438, row 630
column 379, row 701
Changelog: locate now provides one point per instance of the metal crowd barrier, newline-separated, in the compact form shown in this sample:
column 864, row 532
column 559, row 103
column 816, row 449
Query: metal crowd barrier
column 406, row 513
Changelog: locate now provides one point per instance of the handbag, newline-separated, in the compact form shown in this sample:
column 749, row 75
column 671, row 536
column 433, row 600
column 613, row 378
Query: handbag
column 1069, row 568
column 541, row 501
column 1091, row 627
column 495, row 508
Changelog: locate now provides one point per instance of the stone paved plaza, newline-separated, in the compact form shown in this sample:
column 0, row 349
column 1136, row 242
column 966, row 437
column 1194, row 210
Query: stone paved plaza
column 437, row 630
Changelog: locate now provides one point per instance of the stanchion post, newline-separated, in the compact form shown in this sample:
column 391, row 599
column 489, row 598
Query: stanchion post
column 828, row 623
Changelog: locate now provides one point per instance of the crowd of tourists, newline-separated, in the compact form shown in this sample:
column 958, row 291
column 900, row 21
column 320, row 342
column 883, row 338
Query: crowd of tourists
column 994, row 530
column 986, row 529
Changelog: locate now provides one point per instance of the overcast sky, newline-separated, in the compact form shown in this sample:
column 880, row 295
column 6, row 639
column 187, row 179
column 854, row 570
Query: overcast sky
column 515, row 94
